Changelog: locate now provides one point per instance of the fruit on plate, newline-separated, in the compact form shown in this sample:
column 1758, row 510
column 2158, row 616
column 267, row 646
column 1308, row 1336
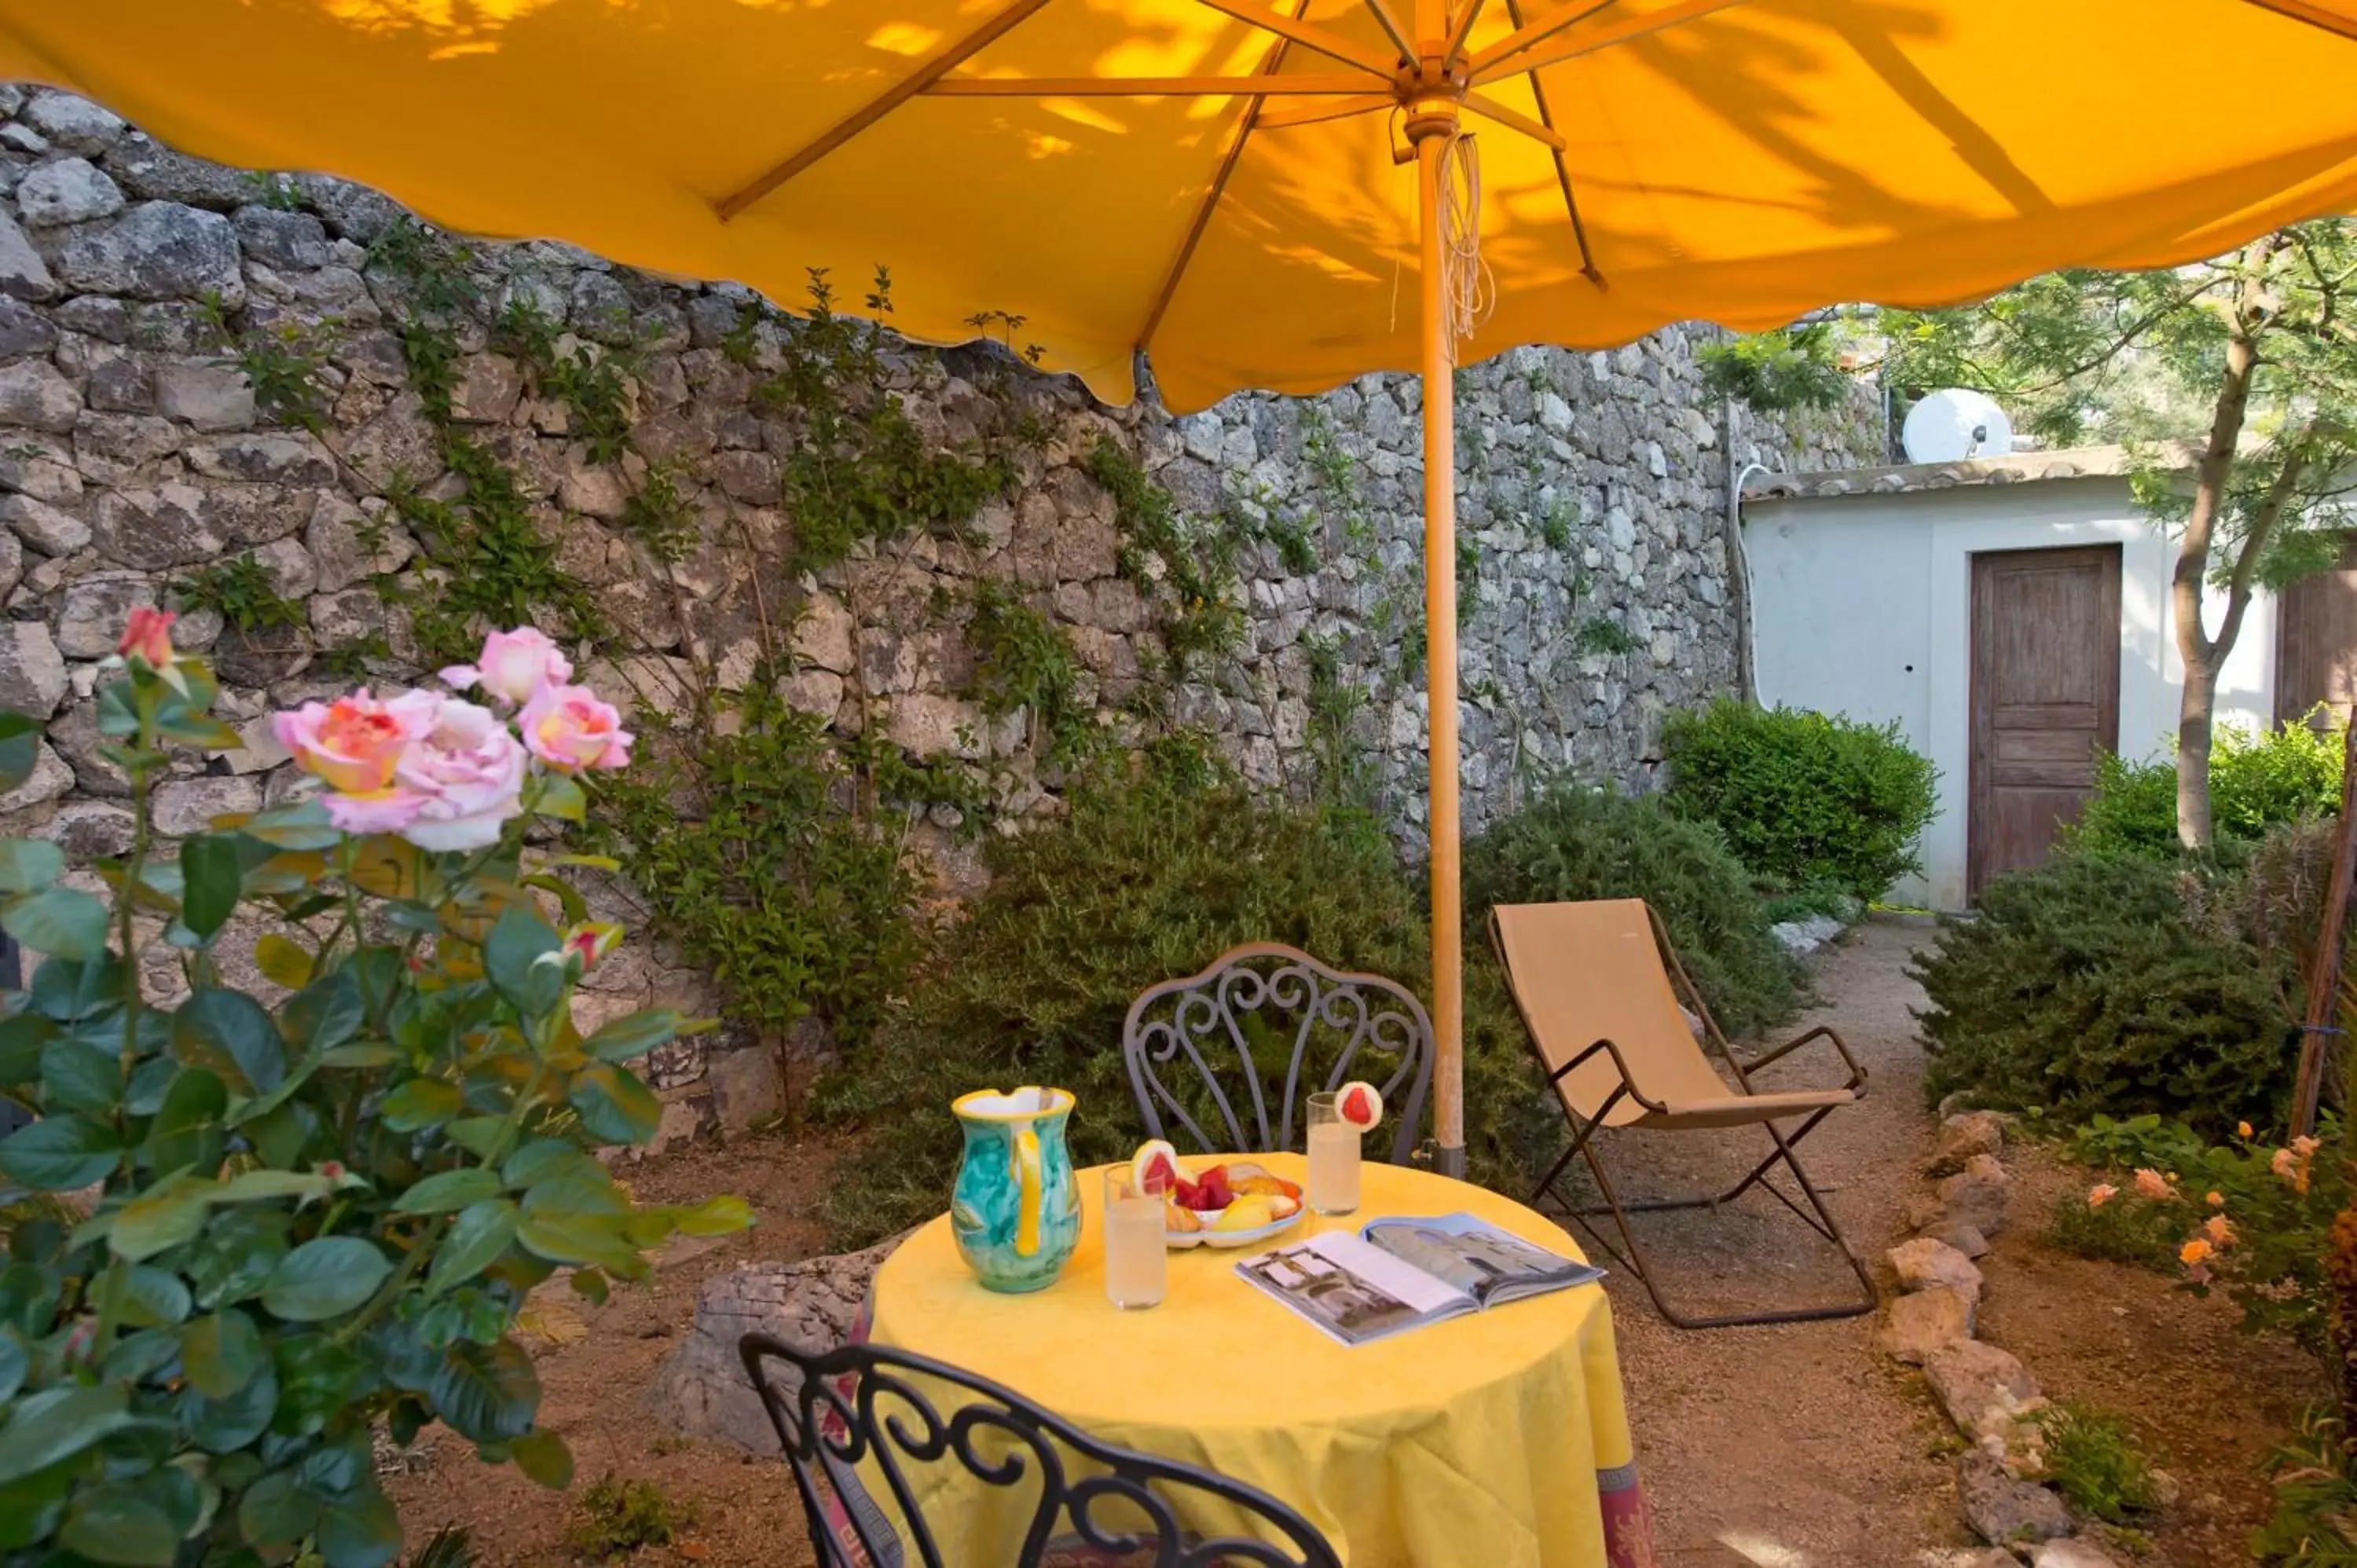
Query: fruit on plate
column 1283, row 1206
column 1179, row 1218
column 1210, row 1190
column 1247, row 1214
column 1155, row 1167
column 1261, row 1184
column 1360, row 1103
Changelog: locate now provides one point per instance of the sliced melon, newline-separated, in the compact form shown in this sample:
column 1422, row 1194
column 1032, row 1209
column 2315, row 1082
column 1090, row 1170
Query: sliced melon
column 1155, row 1168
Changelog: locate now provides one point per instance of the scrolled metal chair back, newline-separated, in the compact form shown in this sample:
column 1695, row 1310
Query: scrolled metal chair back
column 867, row 1405
column 1197, row 1069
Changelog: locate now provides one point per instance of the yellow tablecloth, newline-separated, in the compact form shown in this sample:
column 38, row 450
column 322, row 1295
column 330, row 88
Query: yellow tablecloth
column 1476, row 1443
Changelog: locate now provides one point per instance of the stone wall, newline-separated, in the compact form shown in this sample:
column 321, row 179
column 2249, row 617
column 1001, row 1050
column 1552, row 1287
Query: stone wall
column 135, row 451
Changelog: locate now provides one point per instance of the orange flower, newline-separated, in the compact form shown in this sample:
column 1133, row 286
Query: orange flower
column 2214, row 1199
column 148, row 636
column 2101, row 1194
column 2283, row 1165
column 2194, row 1253
column 2305, row 1147
column 2220, row 1230
column 2242, row 1128
column 2151, row 1183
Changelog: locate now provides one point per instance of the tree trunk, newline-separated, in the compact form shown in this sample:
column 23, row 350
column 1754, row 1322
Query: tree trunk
column 2200, row 655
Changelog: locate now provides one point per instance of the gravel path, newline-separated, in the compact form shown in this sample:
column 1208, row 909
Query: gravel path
column 1797, row 1445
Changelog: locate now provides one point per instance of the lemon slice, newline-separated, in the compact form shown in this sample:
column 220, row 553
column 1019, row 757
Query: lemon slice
column 1155, row 1167
column 1360, row 1104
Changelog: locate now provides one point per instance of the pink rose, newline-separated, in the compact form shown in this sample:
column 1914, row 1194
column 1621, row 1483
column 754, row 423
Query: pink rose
column 354, row 744
column 568, row 728
column 512, row 666
column 466, row 773
column 148, row 636
column 592, row 940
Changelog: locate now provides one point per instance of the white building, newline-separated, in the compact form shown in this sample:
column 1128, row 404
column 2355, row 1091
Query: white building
column 2012, row 615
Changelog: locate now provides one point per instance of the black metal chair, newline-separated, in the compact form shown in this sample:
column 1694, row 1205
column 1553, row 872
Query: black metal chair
column 860, row 1402
column 1199, row 1031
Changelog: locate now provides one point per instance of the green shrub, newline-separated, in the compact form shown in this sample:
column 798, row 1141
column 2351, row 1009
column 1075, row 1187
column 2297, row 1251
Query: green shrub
column 2096, row 1462
column 616, row 1517
column 1804, row 797
column 2081, row 988
column 2256, row 780
column 1575, row 842
column 1150, row 876
column 2315, row 1519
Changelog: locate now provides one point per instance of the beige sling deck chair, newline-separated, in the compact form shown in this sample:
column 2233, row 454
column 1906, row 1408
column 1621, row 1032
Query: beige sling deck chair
column 1593, row 983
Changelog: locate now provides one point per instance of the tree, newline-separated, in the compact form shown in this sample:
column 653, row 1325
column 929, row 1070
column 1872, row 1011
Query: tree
column 2233, row 382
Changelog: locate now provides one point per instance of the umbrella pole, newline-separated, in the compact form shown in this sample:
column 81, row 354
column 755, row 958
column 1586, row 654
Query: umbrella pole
column 1440, row 660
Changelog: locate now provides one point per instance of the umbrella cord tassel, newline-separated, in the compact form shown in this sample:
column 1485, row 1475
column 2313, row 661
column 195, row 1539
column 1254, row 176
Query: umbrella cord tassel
column 1468, row 289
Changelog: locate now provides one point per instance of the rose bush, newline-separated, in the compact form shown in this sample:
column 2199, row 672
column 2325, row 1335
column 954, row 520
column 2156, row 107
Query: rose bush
column 313, row 1217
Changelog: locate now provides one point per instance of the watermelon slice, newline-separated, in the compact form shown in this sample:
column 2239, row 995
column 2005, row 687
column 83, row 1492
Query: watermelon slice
column 1360, row 1104
column 1155, row 1167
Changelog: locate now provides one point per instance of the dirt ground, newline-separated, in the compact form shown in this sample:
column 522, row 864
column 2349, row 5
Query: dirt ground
column 1793, row 1446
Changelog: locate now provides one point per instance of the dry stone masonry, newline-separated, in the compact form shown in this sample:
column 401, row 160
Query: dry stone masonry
column 139, row 452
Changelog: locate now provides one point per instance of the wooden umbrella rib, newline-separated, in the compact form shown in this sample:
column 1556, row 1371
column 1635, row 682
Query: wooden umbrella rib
column 1269, row 66
column 1319, row 113
column 1394, row 28
column 1147, row 87
column 1489, row 108
column 1587, row 266
column 935, row 67
column 1526, row 36
column 1462, row 31
column 1622, row 32
column 1308, row 35
column 2315, row 15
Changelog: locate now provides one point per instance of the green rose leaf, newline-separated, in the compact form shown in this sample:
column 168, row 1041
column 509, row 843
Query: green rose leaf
column 420, row 1103
column 448, row 1191
column 14, row 1364
column 119, row 1524
column 230, row 1032
column 562, row 798
column 162, row 1217
column 327, row 1012
column 59, row 921
column 478, row 1136
column 27, row 866
column 563, row 1238
column 542, row 1455
column 79, row 1076
column 489, row 1393
column 225, row 1426
column 20, row 740
column 57, row 1423
column 276, row 1510
column 187, row 1131
column 539, row 1160
column 715, row 1217
column 614, row 1105
column 634, row 1034
column 261, row 1187
column 60, row 1154
column 22, row 1040
column 316, row 1378
column 152, row 1298
column 303, row 826
column 524, row 958
column 213, row 875
column 364, row 1532
column 324, row 1278
column 222, row 1353
column 235, row 1256
column 474, row 1242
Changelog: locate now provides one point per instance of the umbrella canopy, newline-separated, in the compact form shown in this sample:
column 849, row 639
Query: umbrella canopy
column 1735, row 163
column 1220, row 183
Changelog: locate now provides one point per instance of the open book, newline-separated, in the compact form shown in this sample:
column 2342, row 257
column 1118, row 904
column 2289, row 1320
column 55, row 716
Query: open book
column 1402, row 1272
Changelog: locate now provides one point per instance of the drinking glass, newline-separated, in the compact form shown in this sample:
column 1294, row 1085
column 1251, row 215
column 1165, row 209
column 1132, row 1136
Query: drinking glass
column 1137, row 1265
column 1333, row 1157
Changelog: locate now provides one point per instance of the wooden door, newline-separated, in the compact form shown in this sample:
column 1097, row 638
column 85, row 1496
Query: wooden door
column 2316, row 641
column 2045, row 698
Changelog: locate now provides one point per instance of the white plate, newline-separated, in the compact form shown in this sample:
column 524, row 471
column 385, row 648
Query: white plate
column 1180, row 1240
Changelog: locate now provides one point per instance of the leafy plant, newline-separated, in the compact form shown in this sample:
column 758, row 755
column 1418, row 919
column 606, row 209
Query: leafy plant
column 1805, row 798
column 1574, row 842
column 2315, row 1520
column 2096, row 1462
column 658, row 514
column 496, row 564
column 314, row 1218
column 616, row 1517
column 1158, row 869
column 749, row 846
column 2256, row 781
column 2081, row 988
column 1199, row 585
column 591, row 382
column 1789, row 368
column 1023, row 661
column 243, row 593
column 284, row 362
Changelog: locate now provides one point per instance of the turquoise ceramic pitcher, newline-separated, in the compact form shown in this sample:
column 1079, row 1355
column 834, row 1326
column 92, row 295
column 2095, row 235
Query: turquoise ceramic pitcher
column 1016, row 1207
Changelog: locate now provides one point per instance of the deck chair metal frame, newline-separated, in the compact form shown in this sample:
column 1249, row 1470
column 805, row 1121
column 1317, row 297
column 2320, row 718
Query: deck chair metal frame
column 1730, row 1112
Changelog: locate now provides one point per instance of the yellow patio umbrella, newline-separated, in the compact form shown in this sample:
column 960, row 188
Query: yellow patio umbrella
column 1225, row 185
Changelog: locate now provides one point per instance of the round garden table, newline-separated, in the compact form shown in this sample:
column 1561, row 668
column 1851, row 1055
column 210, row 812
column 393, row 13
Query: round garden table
column 1494, row 1440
